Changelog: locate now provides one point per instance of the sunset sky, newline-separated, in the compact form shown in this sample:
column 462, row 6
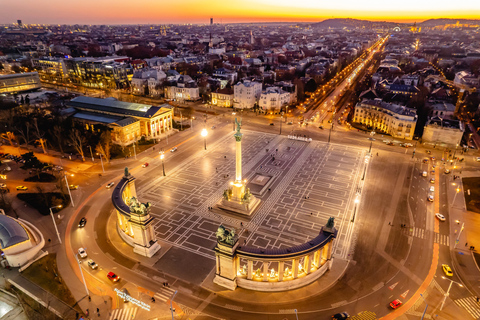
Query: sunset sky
column 191, row 11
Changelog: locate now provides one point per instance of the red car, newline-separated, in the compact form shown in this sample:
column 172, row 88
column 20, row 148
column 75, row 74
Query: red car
column 395, row 304
column 145, row 165
column 112, row 276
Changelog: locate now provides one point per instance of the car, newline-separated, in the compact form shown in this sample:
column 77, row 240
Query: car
column 424, row 173
column 430, row 198
column 73, row 187
column 440, row 217
column 272, row 124
column 446, row 171
column 432, row 189
column 290, row 123
column 112, row 276
column 433, row 158
column 341, row 316
column 22, row 188
column 82, row 253
column 92, row 264
column 213, row 127
column 110, row 185
column 429, row 152
column 395, row 304
column 145, row 165
column 432, row 180
column 173, row 149
column 390, row 144
column 425, row 160
column 82, row 222
column 448, row 271
column 3, row 185
column 478, row 159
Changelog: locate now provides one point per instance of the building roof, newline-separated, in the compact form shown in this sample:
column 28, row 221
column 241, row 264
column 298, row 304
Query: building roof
column 113, row 106
column 395, row 108
column 102, row 118
column 18, row 75
column 11, row 232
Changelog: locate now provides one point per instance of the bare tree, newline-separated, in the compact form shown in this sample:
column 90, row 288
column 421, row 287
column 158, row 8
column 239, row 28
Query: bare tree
column 24, row 132
column 39, row 135
column 104, row 145
column 58, row 135
column 10, row 136
column 77, row 140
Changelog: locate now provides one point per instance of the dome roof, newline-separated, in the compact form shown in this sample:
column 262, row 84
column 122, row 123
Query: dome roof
column 11, row 232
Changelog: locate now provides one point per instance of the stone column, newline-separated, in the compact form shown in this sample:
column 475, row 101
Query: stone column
column 265, row 270
column 308, row 263
column 249, row 269
column 218, row 264
column 295, row 268
column 281, row 270
column 238, row 157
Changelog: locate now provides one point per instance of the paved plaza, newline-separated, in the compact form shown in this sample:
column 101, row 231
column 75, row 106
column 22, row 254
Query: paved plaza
column 309, row 183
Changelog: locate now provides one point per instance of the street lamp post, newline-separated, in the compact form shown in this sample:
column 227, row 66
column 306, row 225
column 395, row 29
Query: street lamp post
column 458, row 238
column 91, row 153
column 163, row 165
column 56, row 229
column 171, row 303
column 68, row 188
column 457, row 191
column 296, row 314
column 204, row 135
column 286, row 114
column 281, row 120
column 103, row 169
column 134, row 150
column 426, row 306
column 448, row 291
column 81, row 272
column 355, row 208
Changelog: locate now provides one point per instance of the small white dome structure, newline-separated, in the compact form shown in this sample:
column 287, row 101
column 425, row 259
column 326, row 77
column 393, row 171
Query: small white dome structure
column 20, row 241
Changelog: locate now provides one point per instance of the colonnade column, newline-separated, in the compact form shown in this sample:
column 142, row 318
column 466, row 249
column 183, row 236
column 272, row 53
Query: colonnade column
column 295, row 268
column 308, row 263
column 265, row 270
column 281, row 271
column 249, row 269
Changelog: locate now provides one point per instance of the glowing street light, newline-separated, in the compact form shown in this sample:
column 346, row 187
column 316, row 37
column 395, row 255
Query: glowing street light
column 204, row 134
column 162, row 156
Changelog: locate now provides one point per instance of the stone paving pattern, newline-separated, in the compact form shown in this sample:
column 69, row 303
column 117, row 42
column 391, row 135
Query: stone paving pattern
column 311, row 182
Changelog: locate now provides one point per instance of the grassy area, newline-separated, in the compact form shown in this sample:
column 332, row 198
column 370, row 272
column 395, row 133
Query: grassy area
column 33, row 309
column 44, row 273
column 43, row 201
column 472, row 200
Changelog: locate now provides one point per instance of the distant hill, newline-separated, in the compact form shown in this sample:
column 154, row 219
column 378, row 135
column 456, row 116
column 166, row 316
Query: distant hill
column 339, row 23
column 441, row 22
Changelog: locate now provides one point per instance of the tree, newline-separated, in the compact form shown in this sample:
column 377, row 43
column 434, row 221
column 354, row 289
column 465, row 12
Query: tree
column 58, row 135
column 24, row 131
column 77, row 140
column 10, row 136
column 39, row 135
column 104, row 145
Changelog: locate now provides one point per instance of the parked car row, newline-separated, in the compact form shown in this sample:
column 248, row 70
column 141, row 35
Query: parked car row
column 82, row 253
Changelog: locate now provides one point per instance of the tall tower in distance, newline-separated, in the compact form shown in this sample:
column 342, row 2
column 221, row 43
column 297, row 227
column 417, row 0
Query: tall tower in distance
column 211, row 21
column 20, row 23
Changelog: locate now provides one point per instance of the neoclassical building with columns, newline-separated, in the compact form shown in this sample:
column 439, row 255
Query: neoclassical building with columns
column 129, row 121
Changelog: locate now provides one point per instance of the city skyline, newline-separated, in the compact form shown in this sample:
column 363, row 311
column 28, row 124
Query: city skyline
column 190, row 11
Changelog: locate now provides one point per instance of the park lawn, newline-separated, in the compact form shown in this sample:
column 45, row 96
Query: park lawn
column 43, row 272
column 473, row 200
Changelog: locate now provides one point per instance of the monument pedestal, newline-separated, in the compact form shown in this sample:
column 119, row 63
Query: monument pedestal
column 227, row 264
column 236, row 202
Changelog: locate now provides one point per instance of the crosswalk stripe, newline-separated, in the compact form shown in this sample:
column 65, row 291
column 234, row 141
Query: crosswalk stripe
column 470, row 304
column 123, row 314
column 164, row 294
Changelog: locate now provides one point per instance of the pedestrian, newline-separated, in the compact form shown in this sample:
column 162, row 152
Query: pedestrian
column 389, row 223
column 241, row 224
column 478, row 300
column 89, row 298
column 153, row 299
column 49, row 240
column 98, row 310
column 466, row 244
column 377, row 154
column 244, row 242
column 311, row 213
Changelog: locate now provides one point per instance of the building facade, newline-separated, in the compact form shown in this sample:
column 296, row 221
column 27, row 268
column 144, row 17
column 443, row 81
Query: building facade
column 223, row 98
column 129, row 121
column 246, row 94
column 395, row 120
column 273, row 99
column 443, row 132
column 51, row 69
column 184, row 88
column 19, row 82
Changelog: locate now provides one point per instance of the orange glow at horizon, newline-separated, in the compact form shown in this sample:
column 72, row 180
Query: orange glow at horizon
column 193, row 11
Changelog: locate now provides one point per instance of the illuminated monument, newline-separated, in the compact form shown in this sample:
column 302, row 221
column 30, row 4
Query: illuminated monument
column 238, row 198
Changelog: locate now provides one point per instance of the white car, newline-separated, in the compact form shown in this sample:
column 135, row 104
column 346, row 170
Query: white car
column 424, row 173
column 430, row 198
column 440, row 216
column 173, row 149
column 432, row 189
column 92, row 264
column 82, row 253
column 478, row 159
column 110, row 185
